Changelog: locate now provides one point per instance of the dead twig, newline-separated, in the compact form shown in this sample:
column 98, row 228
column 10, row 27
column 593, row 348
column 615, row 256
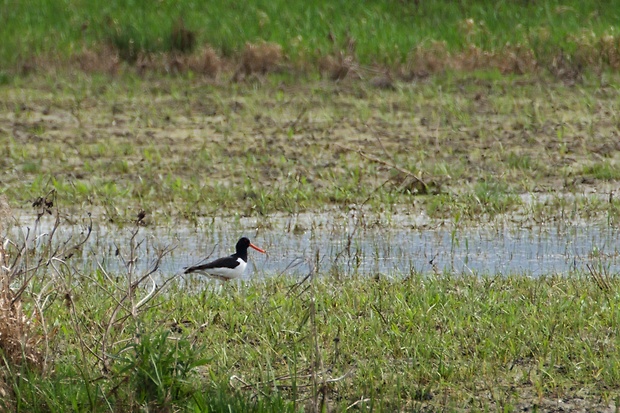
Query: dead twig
column 290, row 377
column 600, row 279
column 129, row 294
column 308, row 276
column 362, row 400
column 385, row 163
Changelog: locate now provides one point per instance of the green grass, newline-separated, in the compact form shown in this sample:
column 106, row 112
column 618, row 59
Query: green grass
column 606, row 170
column 384, row 31
column 407, row 341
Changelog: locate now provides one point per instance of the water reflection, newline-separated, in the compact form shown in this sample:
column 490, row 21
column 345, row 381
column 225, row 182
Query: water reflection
column 347, row 244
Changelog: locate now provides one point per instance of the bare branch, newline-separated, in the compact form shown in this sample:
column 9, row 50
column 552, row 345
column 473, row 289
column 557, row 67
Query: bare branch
column 382, row 162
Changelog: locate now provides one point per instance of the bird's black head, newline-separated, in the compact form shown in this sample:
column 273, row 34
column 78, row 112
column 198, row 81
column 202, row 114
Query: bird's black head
column 242, row 245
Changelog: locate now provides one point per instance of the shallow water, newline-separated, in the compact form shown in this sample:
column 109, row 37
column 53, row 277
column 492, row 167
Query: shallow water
column 353, row 244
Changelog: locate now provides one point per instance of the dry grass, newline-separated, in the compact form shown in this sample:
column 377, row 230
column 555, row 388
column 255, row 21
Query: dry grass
column 342, row 62
column 259, row 59
column 5, row 316
column 516, row 60
column 105, row 60
column 207, row 63
column 435, row 58
column 425, row 60
column 19, row 340
column 339, row 66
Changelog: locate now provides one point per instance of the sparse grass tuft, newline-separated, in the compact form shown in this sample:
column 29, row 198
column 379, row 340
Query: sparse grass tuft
column 605, row 170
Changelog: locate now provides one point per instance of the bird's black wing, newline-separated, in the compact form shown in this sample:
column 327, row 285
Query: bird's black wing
column 226, row 262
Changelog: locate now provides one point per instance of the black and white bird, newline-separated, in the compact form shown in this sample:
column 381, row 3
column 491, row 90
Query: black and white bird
column 227, row 268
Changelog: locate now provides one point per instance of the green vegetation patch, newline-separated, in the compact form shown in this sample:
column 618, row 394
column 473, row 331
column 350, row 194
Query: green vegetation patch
column 416, row 36
column 103, row 340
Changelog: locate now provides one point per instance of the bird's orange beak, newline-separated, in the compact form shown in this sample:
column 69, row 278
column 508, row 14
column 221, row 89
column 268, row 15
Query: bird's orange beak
column 257, row 249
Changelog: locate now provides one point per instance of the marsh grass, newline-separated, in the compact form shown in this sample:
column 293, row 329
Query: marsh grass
column 400, row 341
column 337, row 38
column 449, row 143
column 605, row 170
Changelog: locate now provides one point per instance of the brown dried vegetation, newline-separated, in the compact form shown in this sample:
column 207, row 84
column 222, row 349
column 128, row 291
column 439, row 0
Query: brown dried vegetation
column 257, row 59
column 19, row 339
column 342, row 62
column 425, row 61
column 105, row 60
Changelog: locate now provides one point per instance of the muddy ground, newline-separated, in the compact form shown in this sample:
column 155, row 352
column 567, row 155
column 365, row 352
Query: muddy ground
column 335, row 143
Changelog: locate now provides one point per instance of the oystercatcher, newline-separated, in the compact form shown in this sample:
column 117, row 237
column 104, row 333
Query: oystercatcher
column 227, row 268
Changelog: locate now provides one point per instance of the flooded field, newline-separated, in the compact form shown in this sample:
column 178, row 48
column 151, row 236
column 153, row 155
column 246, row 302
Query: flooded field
column 349, row 245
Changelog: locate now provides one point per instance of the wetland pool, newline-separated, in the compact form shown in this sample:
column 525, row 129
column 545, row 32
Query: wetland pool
column 346, row 244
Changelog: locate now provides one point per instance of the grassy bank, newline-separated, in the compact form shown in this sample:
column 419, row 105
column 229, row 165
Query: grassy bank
column 417, row 35
column 102, row 341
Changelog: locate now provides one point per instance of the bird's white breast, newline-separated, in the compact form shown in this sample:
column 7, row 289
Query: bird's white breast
column 227, row 273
